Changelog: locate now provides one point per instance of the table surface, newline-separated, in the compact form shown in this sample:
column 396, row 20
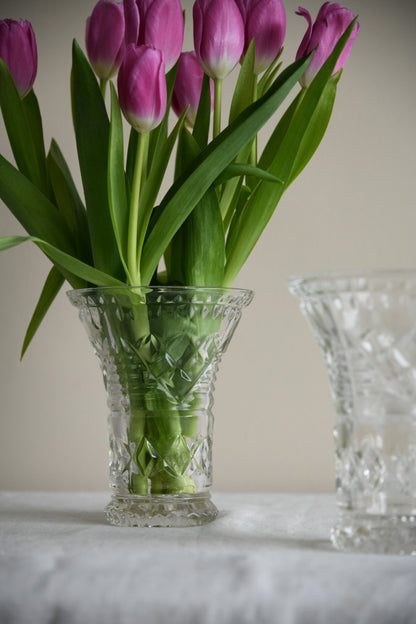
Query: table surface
column 266, row 558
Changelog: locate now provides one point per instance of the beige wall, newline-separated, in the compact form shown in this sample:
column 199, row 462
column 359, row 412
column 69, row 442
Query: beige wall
column 352, row 208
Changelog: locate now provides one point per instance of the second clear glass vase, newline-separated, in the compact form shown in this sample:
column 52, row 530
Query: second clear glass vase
column 365, row 324
column 159, row 349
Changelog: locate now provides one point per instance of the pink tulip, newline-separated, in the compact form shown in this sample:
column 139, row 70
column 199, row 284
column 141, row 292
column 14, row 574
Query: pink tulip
column 142, row 87
column 18, row 50
column 188, row 85
column 218, row 36
column 265, row 22
column 158, row 23
column 331, row 22
column 104, row 38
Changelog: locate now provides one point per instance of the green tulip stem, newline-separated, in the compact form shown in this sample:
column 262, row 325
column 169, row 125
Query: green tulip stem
column 103, row 86
column 217, row 106
column 132, row 252
column 253, row 154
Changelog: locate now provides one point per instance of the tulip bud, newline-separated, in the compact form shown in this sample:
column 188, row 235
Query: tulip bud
column 331, row 22
column 265, row 22
column 218, row 36
column 142, row 87
column 188, row 86
column 18, row 50
column 158, row 23
column 104, row 38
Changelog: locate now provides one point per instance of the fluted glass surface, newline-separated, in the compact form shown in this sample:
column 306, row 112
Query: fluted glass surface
column 365, row 324
column 159, row 350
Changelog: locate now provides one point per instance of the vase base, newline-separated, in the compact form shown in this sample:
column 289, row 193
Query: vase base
column 378, row 534
column 176, row 510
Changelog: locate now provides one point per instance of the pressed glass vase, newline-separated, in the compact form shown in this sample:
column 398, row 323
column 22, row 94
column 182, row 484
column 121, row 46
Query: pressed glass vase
column 365, row 324
column 159, row 349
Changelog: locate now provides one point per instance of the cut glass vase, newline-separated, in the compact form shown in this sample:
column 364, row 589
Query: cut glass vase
column 159, row 349
column 365, row 324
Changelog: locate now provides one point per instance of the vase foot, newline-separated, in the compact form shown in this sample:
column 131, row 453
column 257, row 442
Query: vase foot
column 378, row 534
column 176, row 510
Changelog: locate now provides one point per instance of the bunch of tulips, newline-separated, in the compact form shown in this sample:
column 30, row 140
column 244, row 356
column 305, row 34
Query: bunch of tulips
column 223, row 193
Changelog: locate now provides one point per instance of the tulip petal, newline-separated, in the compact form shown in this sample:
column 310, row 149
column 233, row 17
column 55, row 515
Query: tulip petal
column 218, row 36
column 132, row 21
column 243, row 5
column 304, row 46
column 266, row 24
column 338, row 20
column 331, row 22
column 163, row 29
column 142, row 87
column 104, row 37
column 188, row 85
column 19, row 52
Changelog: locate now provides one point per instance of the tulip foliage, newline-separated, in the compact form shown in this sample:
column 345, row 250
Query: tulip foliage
column 124, row 230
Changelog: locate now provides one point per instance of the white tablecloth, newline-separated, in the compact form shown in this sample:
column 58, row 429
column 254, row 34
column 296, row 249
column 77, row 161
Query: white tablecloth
column 266, row 559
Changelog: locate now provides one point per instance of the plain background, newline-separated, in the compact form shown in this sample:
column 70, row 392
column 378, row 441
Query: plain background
column 352, row 208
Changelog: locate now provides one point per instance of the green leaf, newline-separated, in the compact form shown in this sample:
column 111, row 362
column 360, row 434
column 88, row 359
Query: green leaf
column 244, row 89
column 233, row 219
column 64, row 260
column 204, row 249
column 264, row 85
column 316, row 129
column 32, row 209
column 7, row 242
column 152, row 185
column 131, row 155
column 203, row 115
column 34, row 122
column 24, row 129
column 270, row 74
column 297, row 143
column 197, row 252
column 244, row 95
column 50, row 289
column 235, row 195
column 313, row 134
column 69, row 202
column 279, row 132
column 240, row 169
column 189, row 189
column 119, row 209
column 92, row 136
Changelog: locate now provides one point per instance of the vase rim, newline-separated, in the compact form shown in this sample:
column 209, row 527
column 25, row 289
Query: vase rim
column 352, row 280
column 167, row 288
column 244, row 294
